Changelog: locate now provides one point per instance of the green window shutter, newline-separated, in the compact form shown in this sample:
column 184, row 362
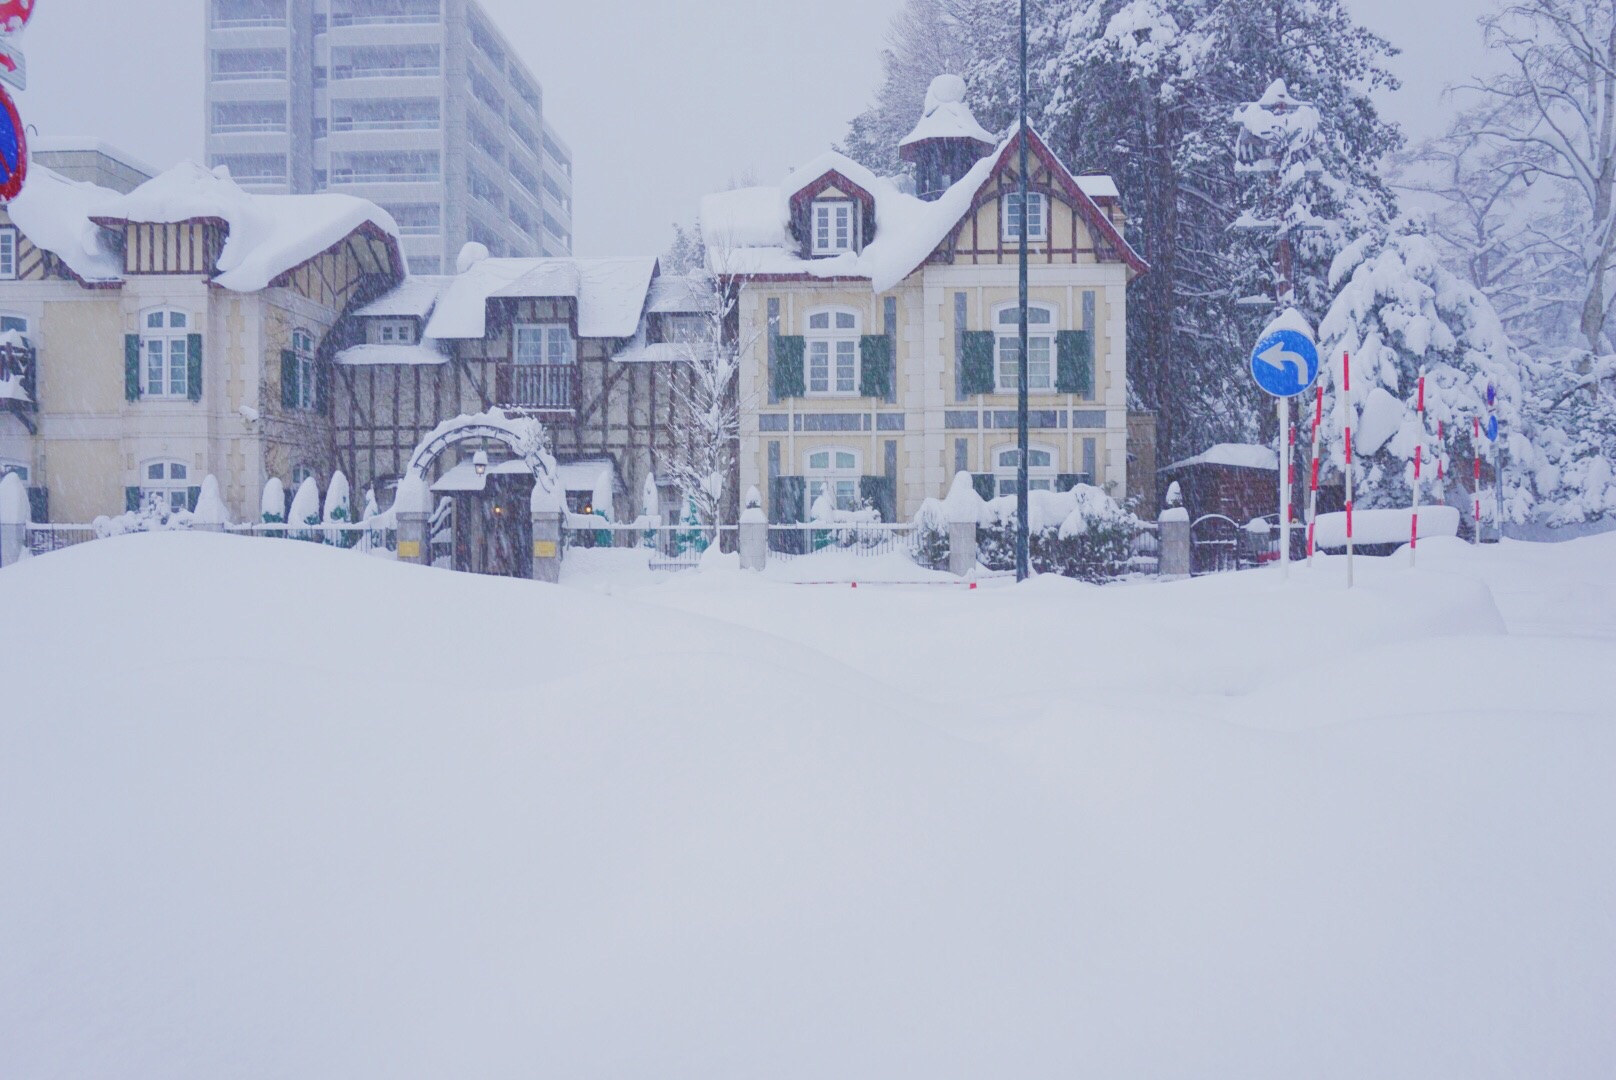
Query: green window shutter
column 1066, row 481
column 882, row 493
column 39, row 505
column 288, row 379
column 131, row 499
column 1074, row 362
column 192, row 494
column 193, row 367
column 322, row 388
column 976, row 362
column 131, row 367
column 788, row 366
column 984, row 484
column 875, row 366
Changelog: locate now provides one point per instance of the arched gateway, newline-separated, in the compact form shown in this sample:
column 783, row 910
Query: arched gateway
column 494, row 494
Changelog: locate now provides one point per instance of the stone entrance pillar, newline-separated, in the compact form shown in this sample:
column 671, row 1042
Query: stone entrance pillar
column 547, row 546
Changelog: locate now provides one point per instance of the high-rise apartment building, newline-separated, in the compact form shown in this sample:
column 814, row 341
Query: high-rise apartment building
column 420, row 106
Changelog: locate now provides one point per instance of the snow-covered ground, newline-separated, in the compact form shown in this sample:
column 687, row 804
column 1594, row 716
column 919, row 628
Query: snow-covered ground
column 275, row 810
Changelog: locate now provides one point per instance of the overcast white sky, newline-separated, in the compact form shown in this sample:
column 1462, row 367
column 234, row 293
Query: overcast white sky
column 660, row 101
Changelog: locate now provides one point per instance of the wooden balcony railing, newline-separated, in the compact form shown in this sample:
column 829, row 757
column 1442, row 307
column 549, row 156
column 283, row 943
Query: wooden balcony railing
column 539, row 387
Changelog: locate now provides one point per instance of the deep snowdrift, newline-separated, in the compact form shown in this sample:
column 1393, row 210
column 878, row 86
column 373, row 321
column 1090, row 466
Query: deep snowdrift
column 273, row 810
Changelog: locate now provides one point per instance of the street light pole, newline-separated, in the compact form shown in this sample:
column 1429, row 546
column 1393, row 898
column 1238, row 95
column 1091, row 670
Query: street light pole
column 1021, row 351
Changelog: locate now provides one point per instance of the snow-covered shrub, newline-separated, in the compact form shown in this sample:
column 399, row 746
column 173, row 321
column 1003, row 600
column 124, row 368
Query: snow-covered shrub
column 1081, row 533
column 338, row 511
column 306, row 511
column 210, row 508
column 928, row 544
column 273, row 505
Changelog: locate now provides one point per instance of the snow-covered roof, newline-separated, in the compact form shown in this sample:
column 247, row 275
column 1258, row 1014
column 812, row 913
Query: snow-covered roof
column 268, row 234
column 413, row 296
column 390, row 353
column 86, row 144
column 1098, row 186
column 747, row 230
column 946, row 116
column 55, row 213
column 676, row 294
column 464, row 477
column 610, row 293
column 1234, row 455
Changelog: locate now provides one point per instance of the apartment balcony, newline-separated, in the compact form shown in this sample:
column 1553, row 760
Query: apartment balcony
column 276, row 127
column 537, row 387
column 345, row 179
column 343, row 74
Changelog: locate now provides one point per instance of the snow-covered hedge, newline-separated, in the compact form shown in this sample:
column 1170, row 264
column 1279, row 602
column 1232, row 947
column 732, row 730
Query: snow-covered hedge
column 1081, row 533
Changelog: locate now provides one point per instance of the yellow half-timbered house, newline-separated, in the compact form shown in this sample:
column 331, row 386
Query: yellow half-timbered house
column 880, row 322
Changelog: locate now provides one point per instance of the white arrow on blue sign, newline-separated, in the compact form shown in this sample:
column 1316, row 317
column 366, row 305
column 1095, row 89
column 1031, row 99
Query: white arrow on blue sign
column 1285, row 363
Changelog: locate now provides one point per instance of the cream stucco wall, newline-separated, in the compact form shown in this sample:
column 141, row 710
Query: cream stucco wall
column 927, row 407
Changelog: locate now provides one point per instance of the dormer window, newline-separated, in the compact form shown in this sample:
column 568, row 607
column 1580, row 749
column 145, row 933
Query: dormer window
column 1037, row 216
column 392, row 331
column 835, row 226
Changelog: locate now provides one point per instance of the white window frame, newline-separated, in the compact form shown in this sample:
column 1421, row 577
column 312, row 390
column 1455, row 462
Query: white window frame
column 24, row 329
column 8, row 253
column 173, row 490
column 835, row 348
column 174, row 369
column 836, row 478
column 308, row 396
column 1040, row 477
column 393, row 331
column 826, row 233
column 300, row 473
column 1008, row 223
column 556, row 345
column 1040, row 339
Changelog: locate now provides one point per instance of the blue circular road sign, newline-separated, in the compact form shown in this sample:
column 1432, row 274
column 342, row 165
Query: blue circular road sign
column 1285, row 363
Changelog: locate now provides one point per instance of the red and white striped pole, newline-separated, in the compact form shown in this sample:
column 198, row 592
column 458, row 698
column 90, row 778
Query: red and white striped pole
column 1414, row 517
column 1475, row 451
column 1346, row 427
column 1313, row 482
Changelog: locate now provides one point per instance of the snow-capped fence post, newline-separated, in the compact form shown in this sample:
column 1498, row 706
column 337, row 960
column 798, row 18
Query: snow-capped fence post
column 1173, row 561
column 547, row 508
column 964, row 508
column 412, row 510
column 15, row 515
column 754, row 533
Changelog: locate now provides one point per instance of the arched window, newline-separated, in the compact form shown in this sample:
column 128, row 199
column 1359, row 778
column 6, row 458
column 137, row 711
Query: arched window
column 1040, row 347
column 165, row 482
column 163, row 345
column 832, row 343
column 10, row 321
column 1040, row 469
column 832, row 471
column 308, row 389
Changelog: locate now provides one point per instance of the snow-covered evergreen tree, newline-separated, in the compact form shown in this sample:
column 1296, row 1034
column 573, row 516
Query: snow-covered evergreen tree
column 1400, row 311
column 1144, row 90
column 338, row 511
column 306, row 510
column 273, row 504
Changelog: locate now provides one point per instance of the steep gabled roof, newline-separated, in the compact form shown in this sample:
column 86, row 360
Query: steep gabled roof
column 747, row 231
column 610, row 293
column 1096, row 219
column 268, row 235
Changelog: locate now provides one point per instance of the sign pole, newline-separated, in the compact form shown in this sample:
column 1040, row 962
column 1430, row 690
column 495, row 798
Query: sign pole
column 1475, row 458
column 1313, row 482
column 1284, row 405
column 1414, row 518
column 1346, row 427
